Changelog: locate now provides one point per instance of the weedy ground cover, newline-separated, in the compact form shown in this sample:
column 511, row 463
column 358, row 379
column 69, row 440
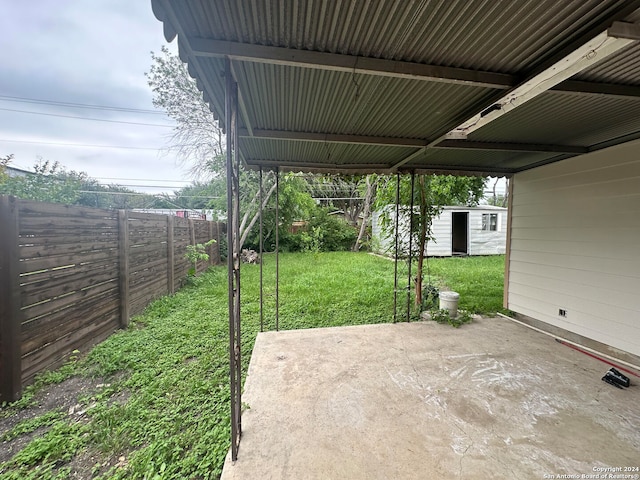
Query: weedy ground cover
column 152, row 401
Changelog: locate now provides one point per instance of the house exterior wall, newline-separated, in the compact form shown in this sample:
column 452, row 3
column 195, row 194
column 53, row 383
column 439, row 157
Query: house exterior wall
column 480, row 242
column 575, row 233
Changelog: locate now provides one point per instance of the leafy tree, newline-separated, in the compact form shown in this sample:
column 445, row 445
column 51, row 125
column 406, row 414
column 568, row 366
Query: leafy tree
column 352, row 194
column 343, row 192
column 198, row 140
column 49, row 183
column 294, row 203
column 498, row 199
column 4, row 163
column 431, row 194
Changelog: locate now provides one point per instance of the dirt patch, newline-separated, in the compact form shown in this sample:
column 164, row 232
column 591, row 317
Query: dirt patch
column 11, row 447
column 63, row 397
column 60, row 396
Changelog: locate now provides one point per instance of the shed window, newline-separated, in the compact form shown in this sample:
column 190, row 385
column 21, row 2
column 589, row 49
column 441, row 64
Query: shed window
column 490, row 222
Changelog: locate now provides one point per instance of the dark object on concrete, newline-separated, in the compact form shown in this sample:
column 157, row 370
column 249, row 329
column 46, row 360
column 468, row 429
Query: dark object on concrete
column 618, row 377
column 611, row 380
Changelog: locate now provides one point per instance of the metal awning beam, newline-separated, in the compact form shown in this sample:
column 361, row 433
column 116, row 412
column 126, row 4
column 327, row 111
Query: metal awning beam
column 204, row 47
column 319, row 166
column 509, row 147
column 593, row 88
column 409, row 142
column 601, row 46
column 333, row 138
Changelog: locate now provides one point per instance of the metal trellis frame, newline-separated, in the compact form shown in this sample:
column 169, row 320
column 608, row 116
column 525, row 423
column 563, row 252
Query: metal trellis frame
column 233, row 258
column 277, row 250
column 260, row 257
column 413, row 184
column 395, row 263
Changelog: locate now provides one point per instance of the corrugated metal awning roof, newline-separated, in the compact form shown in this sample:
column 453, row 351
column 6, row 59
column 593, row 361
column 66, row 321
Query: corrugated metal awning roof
column 375, row 85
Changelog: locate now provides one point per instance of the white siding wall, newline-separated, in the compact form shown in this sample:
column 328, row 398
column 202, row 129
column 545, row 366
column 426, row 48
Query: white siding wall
column 575, row 242
column 483, row 242
column 440, row 246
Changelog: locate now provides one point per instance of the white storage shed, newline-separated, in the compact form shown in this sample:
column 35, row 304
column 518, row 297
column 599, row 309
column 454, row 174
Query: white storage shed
column 480, row 230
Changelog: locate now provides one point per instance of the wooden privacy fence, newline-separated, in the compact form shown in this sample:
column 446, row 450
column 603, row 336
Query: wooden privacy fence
column 70, row 276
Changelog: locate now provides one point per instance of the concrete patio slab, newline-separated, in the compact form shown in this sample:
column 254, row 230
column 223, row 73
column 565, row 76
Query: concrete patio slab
column 492, row 399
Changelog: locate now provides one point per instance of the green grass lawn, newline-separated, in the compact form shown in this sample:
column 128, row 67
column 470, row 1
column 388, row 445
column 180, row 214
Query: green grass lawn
column 158, row 406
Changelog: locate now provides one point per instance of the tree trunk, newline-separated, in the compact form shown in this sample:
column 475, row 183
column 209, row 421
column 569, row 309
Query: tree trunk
column 368, row 200
column 245, row 233
column 505, row 197
column 495, row 197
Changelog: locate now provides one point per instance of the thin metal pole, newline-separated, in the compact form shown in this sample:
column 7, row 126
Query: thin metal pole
column 238, row 248
column 395, row 263
column 231, row 220
column 277, row 250
column 413, row 184
column 261, row 251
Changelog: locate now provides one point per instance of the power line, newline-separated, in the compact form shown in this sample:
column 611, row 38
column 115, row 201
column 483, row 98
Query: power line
column 85, row 118
column 157, row 195
column 80, row 145
column 142, row 179
column 148, row 186
column 9, row 98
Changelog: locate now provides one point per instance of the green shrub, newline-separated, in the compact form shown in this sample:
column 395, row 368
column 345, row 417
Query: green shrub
column 322, row 233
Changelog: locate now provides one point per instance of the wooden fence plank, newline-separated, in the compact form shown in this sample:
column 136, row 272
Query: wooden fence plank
column 148, row 278
column 54, row 353
column 123, row 258
column 146, row 237
column 151, row 217
column 145, row 263
column 158, row 248
column 192, row 237
column 55, row 261
column 87, row 309
column 29, row 223
column 210, row 249
column 42, row 291
column 149, row 269
column 65, row 235
column 32, row 207
column 61, row 274
column 171, row 285
column 66, row 325
column 10, row 315
column 52, row 249
column 65, row 301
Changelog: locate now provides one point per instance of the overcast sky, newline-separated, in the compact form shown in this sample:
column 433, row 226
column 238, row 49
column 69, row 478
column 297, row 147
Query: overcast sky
column 89, row 52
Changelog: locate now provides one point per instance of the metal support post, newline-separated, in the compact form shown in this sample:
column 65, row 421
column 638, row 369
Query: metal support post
column 261, row 252
column 413, row 184
column 395, row 263
column 233, row 258
column 277, row 249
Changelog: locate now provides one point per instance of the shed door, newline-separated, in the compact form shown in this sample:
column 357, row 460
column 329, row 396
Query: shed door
column 460, row 233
